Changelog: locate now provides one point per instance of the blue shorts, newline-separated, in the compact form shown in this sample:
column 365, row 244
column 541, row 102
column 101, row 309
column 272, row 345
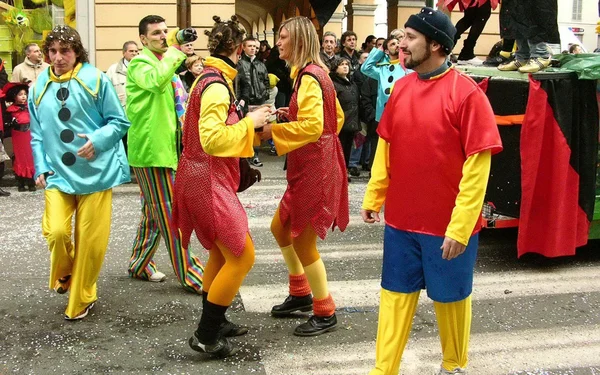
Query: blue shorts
column 413, row 261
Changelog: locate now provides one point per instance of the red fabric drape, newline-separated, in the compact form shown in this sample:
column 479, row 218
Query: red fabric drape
column 552, row 223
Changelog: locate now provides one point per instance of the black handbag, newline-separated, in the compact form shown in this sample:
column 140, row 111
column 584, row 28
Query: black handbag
column 248, row 175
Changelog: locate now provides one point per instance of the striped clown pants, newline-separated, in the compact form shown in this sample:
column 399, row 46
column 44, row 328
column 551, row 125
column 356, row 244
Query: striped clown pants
column 156, row 186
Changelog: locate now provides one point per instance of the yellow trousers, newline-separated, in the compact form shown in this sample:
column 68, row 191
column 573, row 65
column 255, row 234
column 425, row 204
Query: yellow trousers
column 396, row 313
column 83, row 257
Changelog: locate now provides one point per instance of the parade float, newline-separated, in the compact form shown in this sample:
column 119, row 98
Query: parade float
column 545, row 180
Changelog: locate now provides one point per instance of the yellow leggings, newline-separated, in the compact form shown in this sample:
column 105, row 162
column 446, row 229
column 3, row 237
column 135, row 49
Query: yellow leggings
column 396, row 313
column 224, row 272
column 82, row 260
column 301, row 255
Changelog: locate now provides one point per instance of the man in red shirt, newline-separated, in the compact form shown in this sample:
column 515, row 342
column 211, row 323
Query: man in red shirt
column 437, row 135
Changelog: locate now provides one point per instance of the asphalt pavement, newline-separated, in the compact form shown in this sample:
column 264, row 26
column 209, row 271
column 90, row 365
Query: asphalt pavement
column 530, row 315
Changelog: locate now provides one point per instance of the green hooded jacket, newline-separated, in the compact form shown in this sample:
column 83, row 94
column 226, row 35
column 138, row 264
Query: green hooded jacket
column 151, row 109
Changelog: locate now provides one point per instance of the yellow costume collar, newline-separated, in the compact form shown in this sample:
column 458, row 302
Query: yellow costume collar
column 66, row 76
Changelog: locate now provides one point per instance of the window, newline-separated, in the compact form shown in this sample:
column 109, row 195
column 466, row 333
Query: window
column 577, row 5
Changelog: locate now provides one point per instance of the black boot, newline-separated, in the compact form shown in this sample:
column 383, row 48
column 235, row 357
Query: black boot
column 20, row 184
column 4, row 193
column 468, row 50
column 293, row 304
column 227, row 328
column 206, row 338
column 316, row 325
column 31, row 184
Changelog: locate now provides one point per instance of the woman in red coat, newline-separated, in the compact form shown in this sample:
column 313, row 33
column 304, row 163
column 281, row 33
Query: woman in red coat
column 316, row 198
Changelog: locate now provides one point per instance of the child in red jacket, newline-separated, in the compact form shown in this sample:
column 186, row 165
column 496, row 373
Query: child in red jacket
column 18, row 114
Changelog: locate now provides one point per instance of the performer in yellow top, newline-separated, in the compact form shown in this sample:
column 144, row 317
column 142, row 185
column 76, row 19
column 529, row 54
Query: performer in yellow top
column 215, row 137
column 316, row 198
column 439, row 154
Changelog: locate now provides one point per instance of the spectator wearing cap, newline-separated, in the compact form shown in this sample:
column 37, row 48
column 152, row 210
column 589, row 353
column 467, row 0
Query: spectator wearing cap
column 437, row 135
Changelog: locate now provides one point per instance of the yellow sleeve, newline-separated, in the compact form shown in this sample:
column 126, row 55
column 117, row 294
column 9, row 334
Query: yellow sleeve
column 467, row 209
column 339, row 113
column 380, row 178
column 290, row 136
column 217, row 138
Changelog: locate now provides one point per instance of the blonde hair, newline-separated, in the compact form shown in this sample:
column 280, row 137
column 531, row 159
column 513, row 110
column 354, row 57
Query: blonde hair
column 305, row 46
column 190, row 61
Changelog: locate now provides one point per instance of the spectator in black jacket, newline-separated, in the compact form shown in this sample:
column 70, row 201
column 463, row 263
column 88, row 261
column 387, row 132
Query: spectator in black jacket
column 348, row 96
column 284, row 87
column 368, row 105
column 349, row 51
column 252, row 83
column 328, row 48
column 253, row 79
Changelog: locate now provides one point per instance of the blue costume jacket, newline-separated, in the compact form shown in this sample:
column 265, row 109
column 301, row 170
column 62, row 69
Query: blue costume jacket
column 96, row 112
column 379, row 67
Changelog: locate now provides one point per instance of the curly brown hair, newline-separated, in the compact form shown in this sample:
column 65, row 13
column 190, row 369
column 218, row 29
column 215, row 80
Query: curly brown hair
column 225, row 36
column 67, row 37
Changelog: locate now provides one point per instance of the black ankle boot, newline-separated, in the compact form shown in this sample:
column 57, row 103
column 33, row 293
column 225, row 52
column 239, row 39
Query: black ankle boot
column 293, row 304
column 20, row 184
column 4, row 193
column 206, row 339
column 316, row 325
column 227, row 328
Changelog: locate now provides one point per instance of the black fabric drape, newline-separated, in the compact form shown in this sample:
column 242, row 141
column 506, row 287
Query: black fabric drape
column 324, row 9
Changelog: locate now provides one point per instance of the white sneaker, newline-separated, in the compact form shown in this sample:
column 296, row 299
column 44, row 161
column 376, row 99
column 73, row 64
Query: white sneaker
column 457, row 370
column 157, row 277
column 85, row 313
column 474, row 61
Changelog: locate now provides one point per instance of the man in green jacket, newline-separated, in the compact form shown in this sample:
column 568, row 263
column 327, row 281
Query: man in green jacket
column 155, row 104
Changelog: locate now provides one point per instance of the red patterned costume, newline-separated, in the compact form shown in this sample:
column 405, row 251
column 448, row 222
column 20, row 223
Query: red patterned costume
column 21, row 137
column 317, row 191
column 205, row 187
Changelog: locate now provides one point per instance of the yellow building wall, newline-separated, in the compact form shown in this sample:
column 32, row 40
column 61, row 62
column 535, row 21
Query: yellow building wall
column 117, row 22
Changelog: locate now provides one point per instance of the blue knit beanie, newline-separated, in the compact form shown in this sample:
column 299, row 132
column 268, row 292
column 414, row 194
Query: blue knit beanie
column 434, row 25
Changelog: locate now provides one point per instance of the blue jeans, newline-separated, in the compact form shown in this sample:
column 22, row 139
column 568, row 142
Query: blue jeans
column 355, row 156
column 527, row 50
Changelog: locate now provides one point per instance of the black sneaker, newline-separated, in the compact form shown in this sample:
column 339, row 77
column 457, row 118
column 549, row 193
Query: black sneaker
column 256, row 162
column 496, row 60
column 221, row 348
column 4, row 193
column 293, row 304
column 229, row 329
column 316, row 325
column 354, row 172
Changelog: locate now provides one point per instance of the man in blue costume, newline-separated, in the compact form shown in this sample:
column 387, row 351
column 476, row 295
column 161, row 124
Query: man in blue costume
column 77, row 123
